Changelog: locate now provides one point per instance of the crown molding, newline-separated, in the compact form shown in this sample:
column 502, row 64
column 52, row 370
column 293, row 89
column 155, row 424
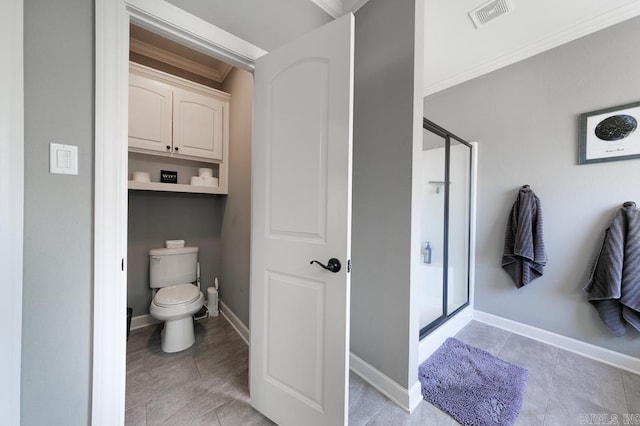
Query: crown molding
column 215, row 74
column 353, row 5
column 335, row 8
column 554, row 40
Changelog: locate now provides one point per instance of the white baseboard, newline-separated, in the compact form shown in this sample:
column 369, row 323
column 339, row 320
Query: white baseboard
column 606, row 356
column 384, row 384
column 143, row 321
column 415, row 396
column 235, row 322
column 408, row 399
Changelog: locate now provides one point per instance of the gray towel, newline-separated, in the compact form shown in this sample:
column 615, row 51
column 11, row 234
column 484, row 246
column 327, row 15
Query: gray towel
column 524, row 256
column 614, row 285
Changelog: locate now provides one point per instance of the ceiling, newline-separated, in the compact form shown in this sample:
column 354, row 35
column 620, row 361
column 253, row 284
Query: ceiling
column 455, row 51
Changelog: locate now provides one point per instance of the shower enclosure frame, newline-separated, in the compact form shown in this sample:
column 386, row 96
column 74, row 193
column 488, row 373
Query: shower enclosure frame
column 445, row 316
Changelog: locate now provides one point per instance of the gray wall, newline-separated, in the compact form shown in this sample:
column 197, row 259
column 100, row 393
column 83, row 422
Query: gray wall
column 382, row 160
column 236, row 221
column 525, row 118
column 58, row 216
column 266, row 24
column 155, row 217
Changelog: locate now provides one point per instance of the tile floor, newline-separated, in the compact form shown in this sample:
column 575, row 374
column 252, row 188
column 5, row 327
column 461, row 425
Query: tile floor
column 207, row 384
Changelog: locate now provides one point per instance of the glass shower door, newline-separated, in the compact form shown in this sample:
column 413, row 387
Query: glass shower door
column 458, row 235
column 433, row 194
column 445, row 227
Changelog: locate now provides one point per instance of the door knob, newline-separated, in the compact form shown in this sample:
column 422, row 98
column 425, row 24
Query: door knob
column 333, row 265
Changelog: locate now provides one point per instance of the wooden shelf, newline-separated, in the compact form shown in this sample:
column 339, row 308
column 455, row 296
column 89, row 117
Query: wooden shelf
column 174, row 187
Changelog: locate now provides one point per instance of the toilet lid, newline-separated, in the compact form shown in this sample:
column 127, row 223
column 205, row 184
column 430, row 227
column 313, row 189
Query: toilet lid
column 176, row 295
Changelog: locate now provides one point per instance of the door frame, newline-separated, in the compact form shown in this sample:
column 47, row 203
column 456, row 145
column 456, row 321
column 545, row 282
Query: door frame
column 111, row 175
column 12, row 216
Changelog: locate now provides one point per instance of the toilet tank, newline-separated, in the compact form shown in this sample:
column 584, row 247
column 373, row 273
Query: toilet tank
column 172, row 266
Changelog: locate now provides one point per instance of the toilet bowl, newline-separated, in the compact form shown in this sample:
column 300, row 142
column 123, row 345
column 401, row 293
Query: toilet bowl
column 175, row 305
column 172, row 272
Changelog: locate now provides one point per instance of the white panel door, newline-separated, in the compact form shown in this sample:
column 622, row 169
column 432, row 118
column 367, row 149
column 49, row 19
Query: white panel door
column 150, row 114
column 198, row 124
column 302, row 212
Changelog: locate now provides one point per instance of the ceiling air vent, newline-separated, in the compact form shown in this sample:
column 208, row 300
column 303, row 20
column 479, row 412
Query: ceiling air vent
column 490, row 11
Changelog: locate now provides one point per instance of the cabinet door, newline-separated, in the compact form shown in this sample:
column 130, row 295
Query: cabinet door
column 198, row 124
column 150, row 114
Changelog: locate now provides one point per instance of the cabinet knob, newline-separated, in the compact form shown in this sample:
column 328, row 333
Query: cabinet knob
column 168, row 148
column 176, row 149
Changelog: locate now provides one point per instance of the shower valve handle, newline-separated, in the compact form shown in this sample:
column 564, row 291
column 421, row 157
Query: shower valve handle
column 333, row 265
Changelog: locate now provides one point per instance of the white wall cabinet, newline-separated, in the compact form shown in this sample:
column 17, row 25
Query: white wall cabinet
column 198, row 124
column 174, row 118
column 150, row 114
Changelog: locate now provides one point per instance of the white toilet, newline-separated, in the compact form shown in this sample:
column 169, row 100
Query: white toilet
column 173, row 271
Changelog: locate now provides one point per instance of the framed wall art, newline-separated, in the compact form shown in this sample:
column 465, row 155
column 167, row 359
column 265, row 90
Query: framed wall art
column 610, row 134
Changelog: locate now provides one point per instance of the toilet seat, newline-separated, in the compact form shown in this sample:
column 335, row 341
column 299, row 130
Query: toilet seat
column 176, row 295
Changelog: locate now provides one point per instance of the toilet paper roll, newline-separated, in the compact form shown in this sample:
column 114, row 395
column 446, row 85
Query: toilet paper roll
column 197, row 181
column 174, row 243
column 141, row 177
column 210, row 181
column 204, row 172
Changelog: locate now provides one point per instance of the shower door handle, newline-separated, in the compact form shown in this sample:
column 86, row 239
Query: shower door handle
column 333, row 265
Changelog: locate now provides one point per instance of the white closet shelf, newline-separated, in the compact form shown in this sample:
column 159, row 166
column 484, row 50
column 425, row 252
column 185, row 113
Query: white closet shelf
column 174, row 187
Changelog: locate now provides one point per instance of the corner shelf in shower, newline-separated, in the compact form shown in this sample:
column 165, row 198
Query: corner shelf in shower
column 439, row 184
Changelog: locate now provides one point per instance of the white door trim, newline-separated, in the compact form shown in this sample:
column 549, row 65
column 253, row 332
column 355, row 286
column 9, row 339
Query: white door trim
column 110, row 220
column 12, row 214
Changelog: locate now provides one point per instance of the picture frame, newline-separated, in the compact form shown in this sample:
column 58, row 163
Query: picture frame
column 610, row 134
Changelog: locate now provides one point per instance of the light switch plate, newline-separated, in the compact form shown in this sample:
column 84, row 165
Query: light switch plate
column 63, row 159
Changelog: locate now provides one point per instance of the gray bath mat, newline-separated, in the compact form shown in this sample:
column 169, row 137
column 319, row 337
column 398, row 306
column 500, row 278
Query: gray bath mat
column 473, row 386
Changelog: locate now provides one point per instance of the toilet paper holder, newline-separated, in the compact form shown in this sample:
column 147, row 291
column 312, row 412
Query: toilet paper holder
column 212, row 299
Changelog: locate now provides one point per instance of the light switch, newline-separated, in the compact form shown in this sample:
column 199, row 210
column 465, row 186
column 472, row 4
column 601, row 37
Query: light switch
column 63, row 159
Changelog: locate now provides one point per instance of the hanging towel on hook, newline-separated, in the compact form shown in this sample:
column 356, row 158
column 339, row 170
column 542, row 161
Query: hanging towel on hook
column 524, row 256
column 614, row 284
